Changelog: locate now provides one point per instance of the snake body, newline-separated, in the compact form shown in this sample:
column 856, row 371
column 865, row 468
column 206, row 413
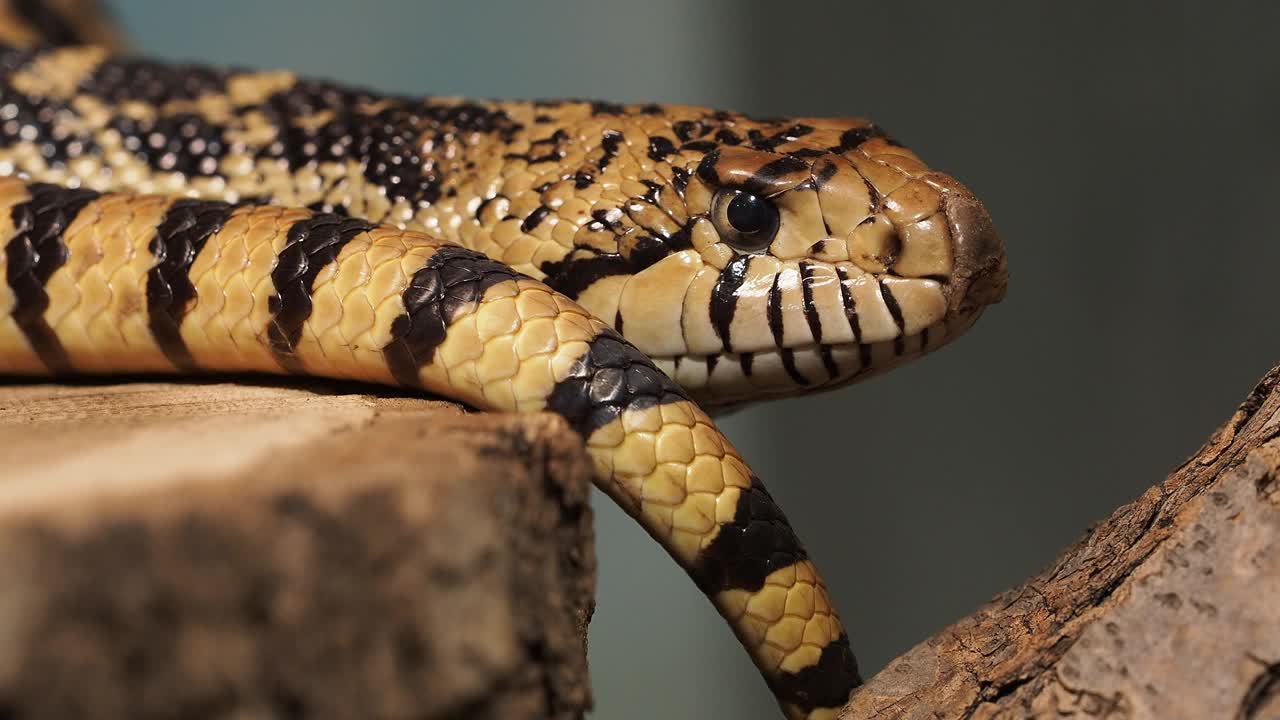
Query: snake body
column 623, row 266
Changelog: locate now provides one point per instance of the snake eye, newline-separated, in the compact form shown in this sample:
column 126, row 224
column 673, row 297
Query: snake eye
column 745, row 221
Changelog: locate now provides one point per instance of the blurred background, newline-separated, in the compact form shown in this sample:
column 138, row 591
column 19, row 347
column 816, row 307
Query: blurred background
column 1130, row 158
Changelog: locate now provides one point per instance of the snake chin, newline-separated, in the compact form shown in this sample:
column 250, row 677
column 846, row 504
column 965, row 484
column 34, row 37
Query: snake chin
column 725, row 382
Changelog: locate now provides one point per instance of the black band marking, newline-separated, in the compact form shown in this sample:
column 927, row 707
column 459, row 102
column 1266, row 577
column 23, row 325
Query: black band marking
column 312, row 244
column 789, row 364
column 756, row 543
column 850, row 309
column 611, row 377
column 826, row 684
column 775, row 310
column 895, row 311
column 571, row 276
column 829, row 363
column 724, row 296
column 186, row 227
column 35, row 252
column 810, row 308
column 451, row 283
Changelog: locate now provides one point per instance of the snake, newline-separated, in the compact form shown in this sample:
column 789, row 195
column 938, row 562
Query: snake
column 631, row 268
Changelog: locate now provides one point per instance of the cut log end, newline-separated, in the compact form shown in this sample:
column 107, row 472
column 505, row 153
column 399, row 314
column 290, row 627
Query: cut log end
column 258, row 551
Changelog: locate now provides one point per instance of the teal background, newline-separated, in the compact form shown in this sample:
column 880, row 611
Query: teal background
column 1128, row 154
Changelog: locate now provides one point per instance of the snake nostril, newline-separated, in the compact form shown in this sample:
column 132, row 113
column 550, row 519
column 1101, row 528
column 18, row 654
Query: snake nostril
column 980, row 274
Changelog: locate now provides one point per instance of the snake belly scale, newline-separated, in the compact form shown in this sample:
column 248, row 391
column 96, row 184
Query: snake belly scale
column 623, row 266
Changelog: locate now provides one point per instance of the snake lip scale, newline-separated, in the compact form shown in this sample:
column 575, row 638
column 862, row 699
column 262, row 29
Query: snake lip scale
column 627, row 267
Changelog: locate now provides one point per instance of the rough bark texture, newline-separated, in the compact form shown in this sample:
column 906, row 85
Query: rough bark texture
column 1170, row 608
column 217, row 550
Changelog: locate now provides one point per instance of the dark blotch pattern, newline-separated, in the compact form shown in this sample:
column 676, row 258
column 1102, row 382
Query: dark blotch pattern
column 33, row 254
column 611, row 377
column 610, row 142
column 382, row 134
column 822, row 173
column 573, row 275
column 765, row 181
column 535, row 219
column 824, row 685
column 120, row 79
column 854, row 137
column 660, row 147
column 747, row 550
column 769, row 143
column 51, row 26
column 385, row 142
column 452, row 282
column 186, row 227
column 28, row 119
column 311, row 245
column 182, row 142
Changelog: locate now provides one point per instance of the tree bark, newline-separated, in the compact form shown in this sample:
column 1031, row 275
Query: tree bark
column 1169, row 608
column 217, row 550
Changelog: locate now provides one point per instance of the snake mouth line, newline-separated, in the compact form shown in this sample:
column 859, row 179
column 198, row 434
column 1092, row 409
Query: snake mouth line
column 726, row 379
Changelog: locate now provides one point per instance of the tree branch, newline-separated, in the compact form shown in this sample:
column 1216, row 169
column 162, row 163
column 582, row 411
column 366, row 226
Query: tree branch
column 1169, row 608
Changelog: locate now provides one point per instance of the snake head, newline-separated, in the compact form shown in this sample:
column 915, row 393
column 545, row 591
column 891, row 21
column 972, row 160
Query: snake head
column 760, row 258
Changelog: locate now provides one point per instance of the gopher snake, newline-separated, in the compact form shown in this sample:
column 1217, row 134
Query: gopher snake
column 164, row 218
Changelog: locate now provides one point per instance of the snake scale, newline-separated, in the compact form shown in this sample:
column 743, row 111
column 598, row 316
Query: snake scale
column 624, row 266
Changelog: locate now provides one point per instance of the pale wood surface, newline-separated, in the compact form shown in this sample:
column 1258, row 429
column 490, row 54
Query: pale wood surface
column 259, row 550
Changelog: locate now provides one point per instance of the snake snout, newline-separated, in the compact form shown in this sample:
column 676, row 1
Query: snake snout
column 980, row 274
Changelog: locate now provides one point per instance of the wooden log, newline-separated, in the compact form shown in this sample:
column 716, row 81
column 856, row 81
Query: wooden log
column 1168, row 609
column 230, row 550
